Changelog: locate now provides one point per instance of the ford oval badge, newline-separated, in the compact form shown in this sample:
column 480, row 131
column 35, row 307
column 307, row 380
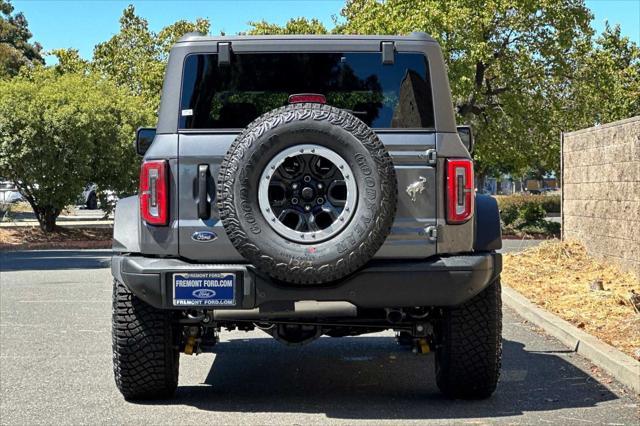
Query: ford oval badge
column 203, row 293
column 204, row 236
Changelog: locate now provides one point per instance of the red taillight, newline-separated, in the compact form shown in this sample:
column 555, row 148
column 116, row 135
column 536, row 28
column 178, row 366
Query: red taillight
column 460, row 195
column 307, row 98
column 154, row 202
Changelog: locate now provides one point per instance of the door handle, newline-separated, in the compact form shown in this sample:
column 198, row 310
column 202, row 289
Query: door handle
column 204, row 207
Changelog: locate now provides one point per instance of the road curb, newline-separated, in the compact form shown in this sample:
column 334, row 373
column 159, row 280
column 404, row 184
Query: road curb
column 63, row 224
column 57, row 245
column 621, row 366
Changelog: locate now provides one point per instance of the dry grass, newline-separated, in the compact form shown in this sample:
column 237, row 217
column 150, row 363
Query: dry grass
column 24, row 207
column 20, row 207
column 557, row 275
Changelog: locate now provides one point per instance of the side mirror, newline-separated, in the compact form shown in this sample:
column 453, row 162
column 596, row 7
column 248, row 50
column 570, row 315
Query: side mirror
column 144, row 139
column 466, row 135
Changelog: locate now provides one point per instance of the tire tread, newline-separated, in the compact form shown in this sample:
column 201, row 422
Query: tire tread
column 469, row 351
column 145, row 359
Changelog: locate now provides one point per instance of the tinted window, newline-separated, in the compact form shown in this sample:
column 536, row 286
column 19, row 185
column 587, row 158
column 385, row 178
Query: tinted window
column 231, row 96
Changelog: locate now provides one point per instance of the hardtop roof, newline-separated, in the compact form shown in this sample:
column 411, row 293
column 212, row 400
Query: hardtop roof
column 204, row 39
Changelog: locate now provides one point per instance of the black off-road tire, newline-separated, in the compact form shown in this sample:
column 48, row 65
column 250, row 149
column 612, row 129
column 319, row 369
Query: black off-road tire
column 255, row 239
column 469, row 346
column 145, row 354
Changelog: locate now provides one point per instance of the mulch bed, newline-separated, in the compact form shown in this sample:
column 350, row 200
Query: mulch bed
column 33, row 238
column 593, row 295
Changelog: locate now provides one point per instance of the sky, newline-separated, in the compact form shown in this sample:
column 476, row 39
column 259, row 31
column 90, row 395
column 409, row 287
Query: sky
column 83, row 24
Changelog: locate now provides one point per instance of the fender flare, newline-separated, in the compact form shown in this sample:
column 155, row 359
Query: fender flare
column 126, row 235
column 488, row 233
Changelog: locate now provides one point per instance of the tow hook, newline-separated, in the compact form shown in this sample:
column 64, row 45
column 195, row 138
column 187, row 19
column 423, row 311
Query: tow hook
column 422, row 346
column 192, row 340
column 422, row 331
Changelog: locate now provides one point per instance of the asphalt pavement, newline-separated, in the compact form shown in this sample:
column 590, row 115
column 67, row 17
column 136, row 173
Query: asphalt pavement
column 516, row 245
column 55, row 368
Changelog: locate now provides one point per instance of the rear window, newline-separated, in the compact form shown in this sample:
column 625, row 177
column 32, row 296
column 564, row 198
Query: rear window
column 231, row 96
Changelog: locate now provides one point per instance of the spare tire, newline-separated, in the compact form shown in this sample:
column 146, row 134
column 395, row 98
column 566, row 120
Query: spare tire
column 307, row 193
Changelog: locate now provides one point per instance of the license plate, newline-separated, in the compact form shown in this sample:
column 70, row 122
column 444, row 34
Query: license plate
column 204, row 289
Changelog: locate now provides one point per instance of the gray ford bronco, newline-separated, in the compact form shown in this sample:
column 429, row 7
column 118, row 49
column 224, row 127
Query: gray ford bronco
column 306, row 186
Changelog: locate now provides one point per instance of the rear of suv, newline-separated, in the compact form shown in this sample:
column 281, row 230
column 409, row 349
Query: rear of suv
column 306, row 186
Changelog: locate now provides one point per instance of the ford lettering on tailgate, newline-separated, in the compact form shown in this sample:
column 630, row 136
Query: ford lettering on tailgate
column 204, row 289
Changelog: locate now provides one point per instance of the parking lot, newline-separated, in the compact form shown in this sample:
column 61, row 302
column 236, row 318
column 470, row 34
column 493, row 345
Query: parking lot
column 55, row 367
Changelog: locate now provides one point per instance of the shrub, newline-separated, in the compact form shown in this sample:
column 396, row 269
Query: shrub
column 59, row 132
column 545, row 228
column 531, row 212
column 550, row 203
column 509, row 213
column 525, row 215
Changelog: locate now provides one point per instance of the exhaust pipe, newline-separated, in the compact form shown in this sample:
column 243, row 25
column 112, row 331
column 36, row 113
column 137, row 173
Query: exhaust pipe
column 394, row 316
column 304, row 309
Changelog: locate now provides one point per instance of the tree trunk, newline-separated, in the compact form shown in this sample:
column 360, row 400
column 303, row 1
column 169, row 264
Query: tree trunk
column 480, row 180
column 46, row 215
column 47, row 218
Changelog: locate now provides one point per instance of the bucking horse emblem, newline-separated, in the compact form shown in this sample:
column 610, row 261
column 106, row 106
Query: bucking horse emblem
column 416, row 188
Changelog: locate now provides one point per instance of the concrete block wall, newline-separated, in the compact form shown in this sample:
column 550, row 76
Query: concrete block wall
column 601, row 190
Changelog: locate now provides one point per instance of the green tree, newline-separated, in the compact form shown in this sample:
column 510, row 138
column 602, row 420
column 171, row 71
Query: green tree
column 293, row 26
column 59, row 131
column 69, row 60
column 15, row 49
column 508, row 60
column 135, row 58
column 512, row 67
column 607, row 83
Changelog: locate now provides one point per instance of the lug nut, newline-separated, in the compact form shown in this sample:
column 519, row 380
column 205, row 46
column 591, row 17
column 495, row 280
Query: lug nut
column 320, row 186
column 307, row 207
column 320, row 201
column 294, row 186
column 294, row 200
column 307, row 178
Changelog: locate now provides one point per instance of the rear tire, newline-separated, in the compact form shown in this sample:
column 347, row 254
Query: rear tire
column 469, row 346
column 145, row 355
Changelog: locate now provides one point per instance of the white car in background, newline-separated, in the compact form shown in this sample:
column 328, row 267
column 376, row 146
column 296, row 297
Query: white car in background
column 89, row 197
column 9, row 193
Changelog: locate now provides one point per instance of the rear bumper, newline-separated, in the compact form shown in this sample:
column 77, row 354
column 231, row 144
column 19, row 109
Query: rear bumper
column 438, row 281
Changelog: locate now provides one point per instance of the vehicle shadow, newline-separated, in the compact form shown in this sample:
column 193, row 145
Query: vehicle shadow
column 373, row 378
column 46, row 260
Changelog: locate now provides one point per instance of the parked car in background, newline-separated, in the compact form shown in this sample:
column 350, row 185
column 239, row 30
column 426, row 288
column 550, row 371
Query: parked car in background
column 89, row 197
column 9, row 193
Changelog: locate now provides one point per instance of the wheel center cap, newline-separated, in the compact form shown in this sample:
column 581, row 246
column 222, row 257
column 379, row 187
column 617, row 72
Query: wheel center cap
column 307, row 193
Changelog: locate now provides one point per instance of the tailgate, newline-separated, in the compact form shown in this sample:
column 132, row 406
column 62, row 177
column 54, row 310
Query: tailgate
column 205, row 239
